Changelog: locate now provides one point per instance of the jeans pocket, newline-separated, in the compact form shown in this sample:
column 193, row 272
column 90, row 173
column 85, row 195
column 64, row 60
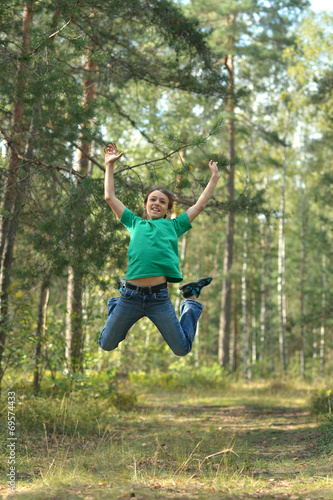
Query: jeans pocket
column 162, row 295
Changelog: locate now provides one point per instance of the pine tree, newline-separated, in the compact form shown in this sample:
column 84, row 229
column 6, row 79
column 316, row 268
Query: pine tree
column 10, row 202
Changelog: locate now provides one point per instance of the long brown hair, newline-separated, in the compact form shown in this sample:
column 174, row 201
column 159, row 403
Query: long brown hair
column 163, row 190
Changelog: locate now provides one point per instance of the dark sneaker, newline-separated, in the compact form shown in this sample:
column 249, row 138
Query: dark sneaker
column 194, row 287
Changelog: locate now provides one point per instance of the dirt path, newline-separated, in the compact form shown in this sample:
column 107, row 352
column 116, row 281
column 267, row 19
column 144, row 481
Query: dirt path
column 180, row 446
column 276, row 448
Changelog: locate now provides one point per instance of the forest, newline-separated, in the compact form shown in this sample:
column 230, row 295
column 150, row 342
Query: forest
column 246, row 84
column 175, row 83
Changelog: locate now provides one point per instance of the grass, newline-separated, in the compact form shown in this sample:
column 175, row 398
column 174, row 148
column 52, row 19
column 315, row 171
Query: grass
column 238, row 441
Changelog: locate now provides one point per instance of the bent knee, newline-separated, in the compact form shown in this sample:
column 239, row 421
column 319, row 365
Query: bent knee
column 182, row 352
column 107, row 346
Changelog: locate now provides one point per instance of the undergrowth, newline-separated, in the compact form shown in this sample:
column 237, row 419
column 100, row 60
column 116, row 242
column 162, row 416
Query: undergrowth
column 180, row 376
column 73, row 404
column 321, row 405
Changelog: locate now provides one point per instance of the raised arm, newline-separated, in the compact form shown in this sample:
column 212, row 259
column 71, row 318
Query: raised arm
column 111, row 157
column 206, row 195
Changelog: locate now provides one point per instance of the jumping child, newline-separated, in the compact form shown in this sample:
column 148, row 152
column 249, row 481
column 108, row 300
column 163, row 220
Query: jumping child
column 153, row 262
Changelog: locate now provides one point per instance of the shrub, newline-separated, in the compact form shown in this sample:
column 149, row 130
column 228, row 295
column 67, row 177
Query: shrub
column 322, row 402
column 325, row 440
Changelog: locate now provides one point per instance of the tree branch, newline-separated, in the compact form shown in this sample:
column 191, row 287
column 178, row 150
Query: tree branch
column 165, row 157
column 56, row 32
column 36, row 161
column 144, row 74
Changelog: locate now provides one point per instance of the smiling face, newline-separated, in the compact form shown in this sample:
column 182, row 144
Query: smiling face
column 157, row 205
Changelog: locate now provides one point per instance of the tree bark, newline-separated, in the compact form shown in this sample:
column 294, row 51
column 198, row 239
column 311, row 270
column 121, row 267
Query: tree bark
column 68, row 330
column 225, row 316
column 322, row 326
column 197, row 347
column 281, row 271
column 270, row 298
column 234, row 336
column 244, row 288
column 74, row 336
column 254, row 329
column 303, row 263
column 77, row 340
column 182, row 257
column 315, row 348
column 41, row 325
column 262, row 293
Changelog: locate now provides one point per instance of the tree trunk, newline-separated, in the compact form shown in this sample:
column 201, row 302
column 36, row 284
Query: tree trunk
column 234, row 335
column 225, row 316
column 251, row 320
column 303, row 257
column 244, row 287
column 68, row 330
column 41, row 326
column 270, row 298
column 281, row 271
column 322, row 326
column 77, row 340
column 262, row 292
column 315, row 349
column 254, row 329
column 8, row 224
column 182, row 258
column 74, row 340
column 197, row 347
column 74, row 336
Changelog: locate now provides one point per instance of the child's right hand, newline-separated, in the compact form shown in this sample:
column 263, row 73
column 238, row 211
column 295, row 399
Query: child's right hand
column 111, row 154
column 213, row 168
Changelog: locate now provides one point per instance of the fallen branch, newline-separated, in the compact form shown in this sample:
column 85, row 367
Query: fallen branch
column 227, row 450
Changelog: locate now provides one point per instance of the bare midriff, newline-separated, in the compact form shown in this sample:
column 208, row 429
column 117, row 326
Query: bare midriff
column 149, row 281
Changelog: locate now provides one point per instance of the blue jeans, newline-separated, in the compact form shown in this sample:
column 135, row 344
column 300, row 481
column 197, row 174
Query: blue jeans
column 126, row 310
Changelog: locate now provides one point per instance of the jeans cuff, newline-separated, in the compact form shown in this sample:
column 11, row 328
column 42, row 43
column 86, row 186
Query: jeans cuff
column 196, row 303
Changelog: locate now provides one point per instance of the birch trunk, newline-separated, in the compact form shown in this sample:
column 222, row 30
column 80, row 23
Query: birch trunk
column 254, row 330
column 270, row 298
column 303, row 263
column 197, row 347
column 68, row 329
column 315, row 348
column 244, row 287
column 40, row 332
column 281, row 270
column 262, row 292
column 234, row 335
column 315, row 343
column 322, row 327
column 182, row 263
column 251, row 321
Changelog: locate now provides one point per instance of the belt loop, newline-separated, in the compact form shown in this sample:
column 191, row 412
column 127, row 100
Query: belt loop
column 150, row 290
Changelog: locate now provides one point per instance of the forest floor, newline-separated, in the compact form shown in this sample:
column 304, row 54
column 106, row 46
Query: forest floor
column 234, row 443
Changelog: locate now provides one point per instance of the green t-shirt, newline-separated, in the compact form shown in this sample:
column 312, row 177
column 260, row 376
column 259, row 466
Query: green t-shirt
column 153, row 249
